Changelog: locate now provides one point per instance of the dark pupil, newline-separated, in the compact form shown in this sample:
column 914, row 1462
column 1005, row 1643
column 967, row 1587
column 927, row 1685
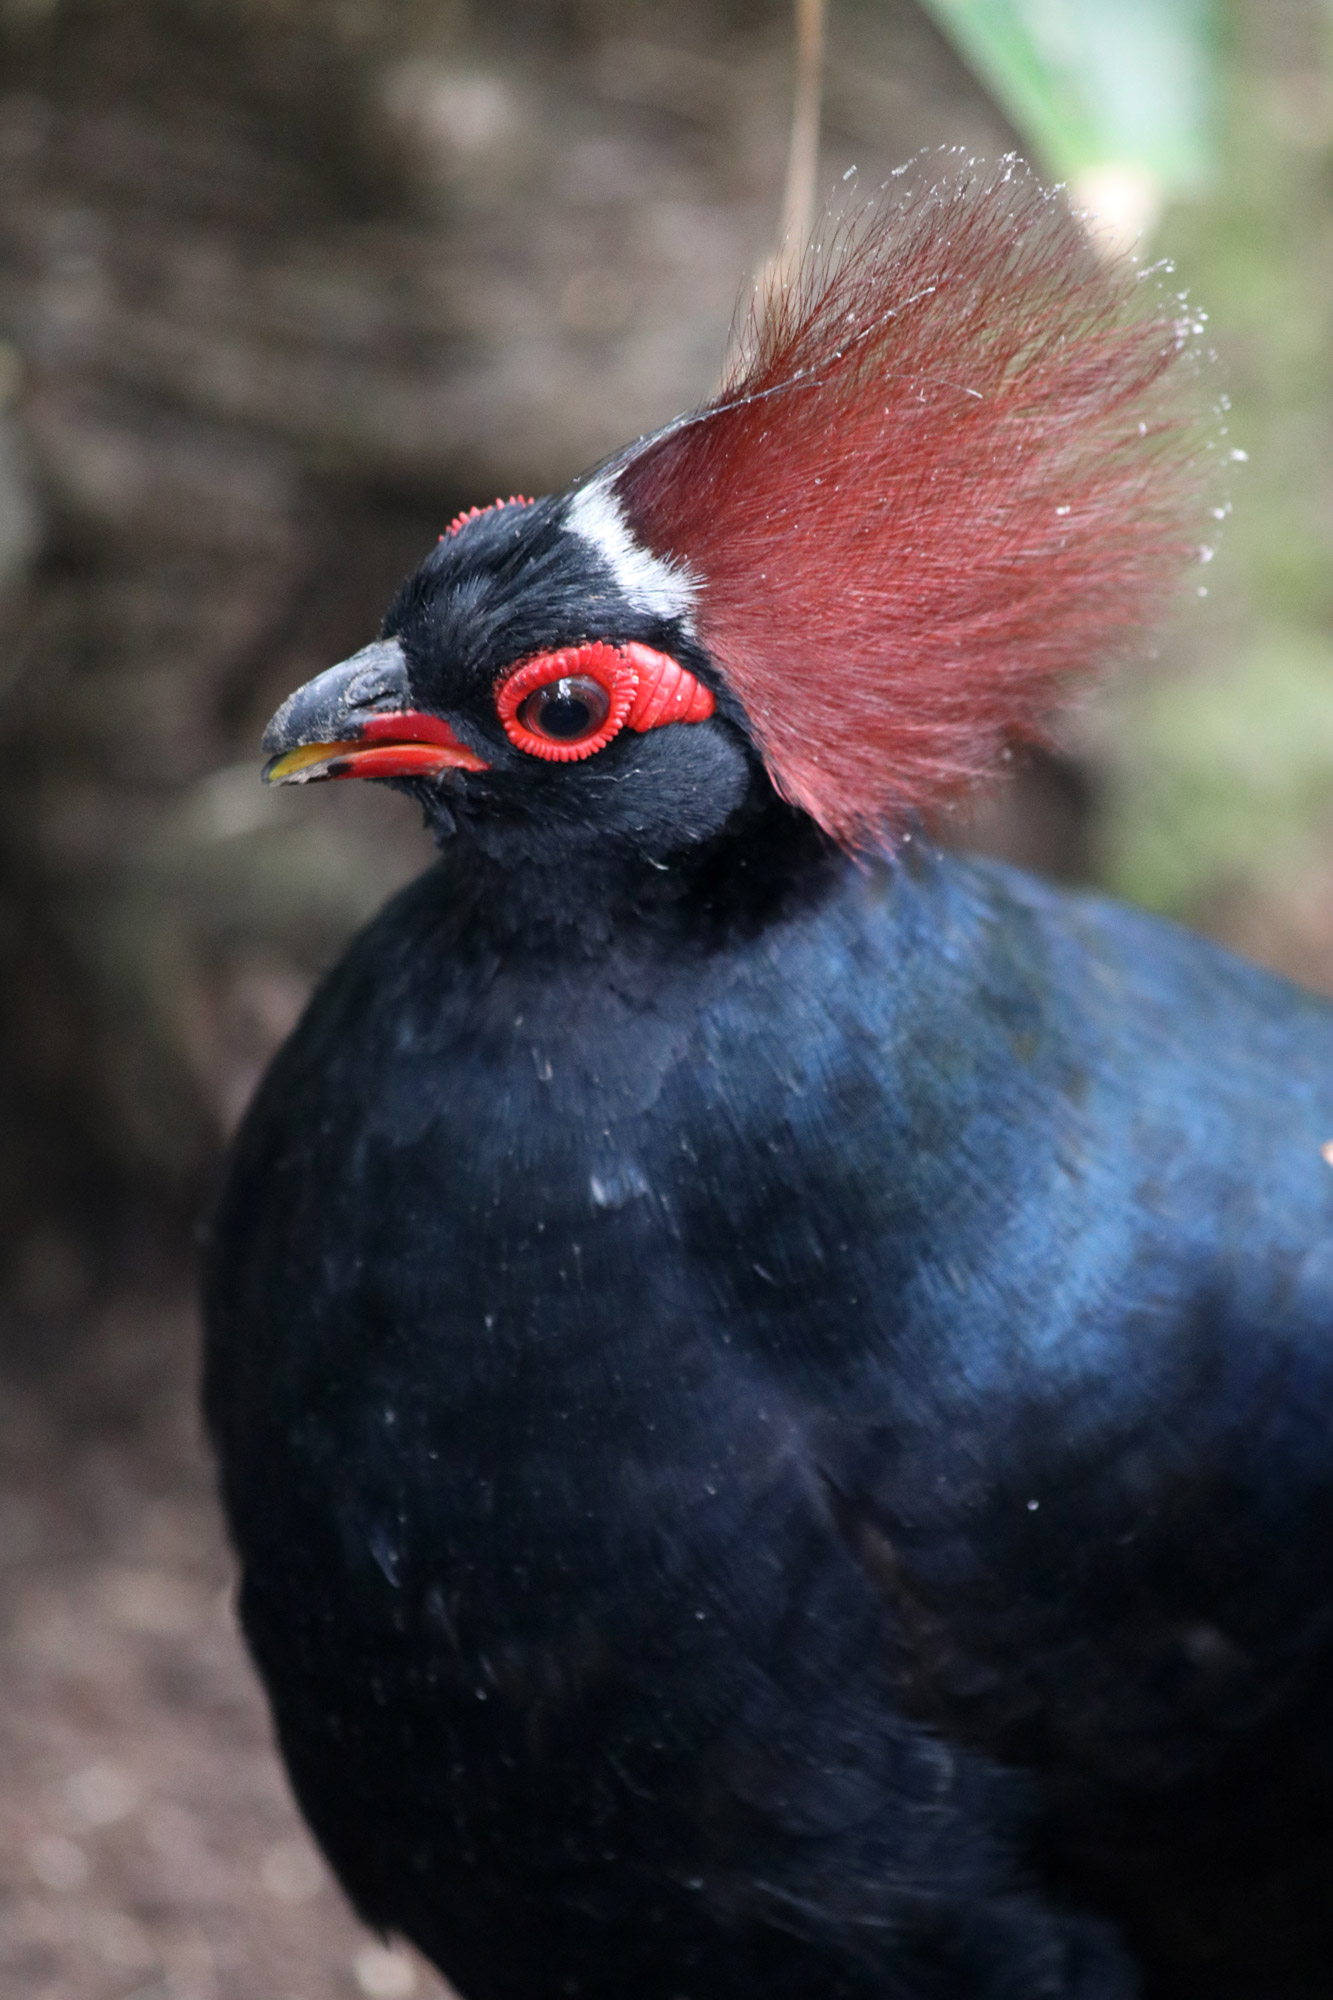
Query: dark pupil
column 566, row 710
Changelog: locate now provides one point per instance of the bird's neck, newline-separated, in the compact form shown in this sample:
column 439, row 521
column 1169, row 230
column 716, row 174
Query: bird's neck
column 576, row 898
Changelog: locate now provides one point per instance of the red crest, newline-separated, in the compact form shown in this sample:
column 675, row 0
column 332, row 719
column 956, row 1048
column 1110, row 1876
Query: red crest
column 951, row 470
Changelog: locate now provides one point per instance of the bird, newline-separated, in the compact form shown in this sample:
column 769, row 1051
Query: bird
column 772, row 1382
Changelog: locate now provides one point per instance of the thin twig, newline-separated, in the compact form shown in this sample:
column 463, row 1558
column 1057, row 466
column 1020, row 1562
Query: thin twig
column 798, row 200
column 798, row 197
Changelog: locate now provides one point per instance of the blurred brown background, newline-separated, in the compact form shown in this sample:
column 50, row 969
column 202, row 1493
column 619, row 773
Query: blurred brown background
column 283, row 284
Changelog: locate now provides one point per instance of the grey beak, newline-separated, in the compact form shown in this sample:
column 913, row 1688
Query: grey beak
column 332, row 707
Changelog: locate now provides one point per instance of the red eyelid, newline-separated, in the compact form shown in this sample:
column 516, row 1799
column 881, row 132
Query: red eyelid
column 647, row 690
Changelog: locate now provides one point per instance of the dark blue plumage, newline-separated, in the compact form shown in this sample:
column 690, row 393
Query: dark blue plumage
column 705, row 1408
column 775, row 1406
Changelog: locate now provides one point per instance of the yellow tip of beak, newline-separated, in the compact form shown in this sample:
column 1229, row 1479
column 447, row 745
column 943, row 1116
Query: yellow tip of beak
column 283, row 770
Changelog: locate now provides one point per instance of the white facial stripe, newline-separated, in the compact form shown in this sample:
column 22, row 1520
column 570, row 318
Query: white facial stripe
column 651, row 584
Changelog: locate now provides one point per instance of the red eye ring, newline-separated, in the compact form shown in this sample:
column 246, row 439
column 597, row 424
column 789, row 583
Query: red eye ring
column 604, row 664
column 644, row 689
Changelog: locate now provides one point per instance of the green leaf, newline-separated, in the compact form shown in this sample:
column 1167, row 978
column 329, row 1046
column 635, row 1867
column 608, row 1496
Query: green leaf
column 1094, row 83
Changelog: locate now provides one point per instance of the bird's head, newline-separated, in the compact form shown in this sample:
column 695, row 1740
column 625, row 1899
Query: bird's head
column 948, row 475
column 528, row 682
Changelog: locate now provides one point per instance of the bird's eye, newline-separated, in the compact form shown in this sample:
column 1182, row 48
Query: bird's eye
column 566, row 711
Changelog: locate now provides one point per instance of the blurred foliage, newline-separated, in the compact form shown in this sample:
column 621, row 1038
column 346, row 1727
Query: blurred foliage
column 1092, row 82
column 1232, row 771
column 1223, row 761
